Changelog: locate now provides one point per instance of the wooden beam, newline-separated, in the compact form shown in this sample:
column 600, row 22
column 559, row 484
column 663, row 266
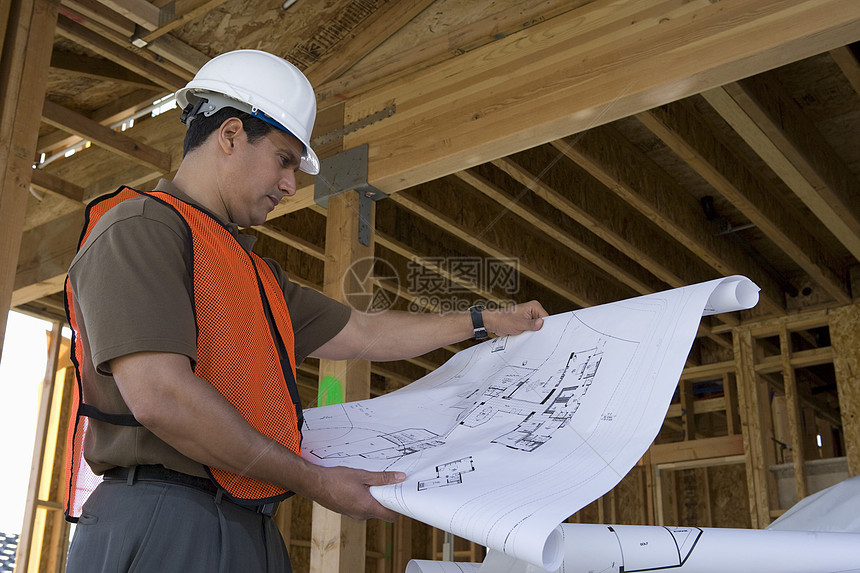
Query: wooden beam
column 26, row 51
column 776, row 128
column 589, row 66
column 186, row 11
column 699, row 146
column 631, row 175
column 688, row 410
column 800, row 359
column 703, row 406
column 45, row 255
column 582, row 287
column 117, row 110
column 5, row 17
column 428, row 263
column 753, row 431
column 294, row 241
column 174, row 50
column 847, row 62
column 729, row 393
column 97, row 68
column 102, row 136
column 140, row 12
column 795, row 422
column 122, row 56
column 338, row 542
column 845, row 338
column 441, row 47
column 608, row 219
column 699, row 450
column 707, row 371
column 44, row 181
column 25, row 543
column 373, row 31
column 583, row 244
column 95, row 11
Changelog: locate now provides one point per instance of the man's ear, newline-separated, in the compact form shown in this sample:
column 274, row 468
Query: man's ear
column 227, row 134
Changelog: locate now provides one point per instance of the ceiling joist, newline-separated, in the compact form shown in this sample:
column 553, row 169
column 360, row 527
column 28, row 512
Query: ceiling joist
column 768, row 120
column 695, row 143
column 102, row 136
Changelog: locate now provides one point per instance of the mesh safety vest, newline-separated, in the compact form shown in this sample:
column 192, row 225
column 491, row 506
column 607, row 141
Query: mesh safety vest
column 236, row 349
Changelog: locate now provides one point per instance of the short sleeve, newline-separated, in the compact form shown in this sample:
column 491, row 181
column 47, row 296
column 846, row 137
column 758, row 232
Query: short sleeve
column 132, row 284
column 316, row 318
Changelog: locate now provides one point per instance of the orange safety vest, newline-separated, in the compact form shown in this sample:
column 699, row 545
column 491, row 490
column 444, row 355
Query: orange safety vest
column 236, row 350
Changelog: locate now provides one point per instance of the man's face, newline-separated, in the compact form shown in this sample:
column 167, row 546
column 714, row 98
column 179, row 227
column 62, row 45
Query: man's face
column 259, row 176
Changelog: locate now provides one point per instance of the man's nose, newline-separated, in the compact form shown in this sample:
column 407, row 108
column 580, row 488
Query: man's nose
column 288, row 184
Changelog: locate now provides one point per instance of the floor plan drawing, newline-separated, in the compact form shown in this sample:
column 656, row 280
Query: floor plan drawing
column 450, row 473
column 509, row 437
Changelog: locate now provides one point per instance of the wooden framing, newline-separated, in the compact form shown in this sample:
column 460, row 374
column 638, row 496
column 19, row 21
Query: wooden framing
column 29, row 33
column 339, row 543
column 492, row 103
column 846, row 345
column 42, row 545
column 795, row 150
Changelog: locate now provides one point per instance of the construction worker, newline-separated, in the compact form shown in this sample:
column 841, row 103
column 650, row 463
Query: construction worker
column 186, row 345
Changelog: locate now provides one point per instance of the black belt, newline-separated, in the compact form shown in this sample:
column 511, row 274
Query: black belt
column 159, row 473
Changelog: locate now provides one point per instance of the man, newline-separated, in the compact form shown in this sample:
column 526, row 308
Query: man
column 187, row 342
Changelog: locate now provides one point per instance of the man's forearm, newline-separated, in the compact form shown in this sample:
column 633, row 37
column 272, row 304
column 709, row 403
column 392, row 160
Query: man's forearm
column 394, row 335
column 194, row 418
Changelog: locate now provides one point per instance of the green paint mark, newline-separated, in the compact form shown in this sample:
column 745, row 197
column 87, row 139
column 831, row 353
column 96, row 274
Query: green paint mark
column 330, row 391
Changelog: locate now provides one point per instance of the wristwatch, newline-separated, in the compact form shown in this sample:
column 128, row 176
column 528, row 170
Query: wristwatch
column 478, row 322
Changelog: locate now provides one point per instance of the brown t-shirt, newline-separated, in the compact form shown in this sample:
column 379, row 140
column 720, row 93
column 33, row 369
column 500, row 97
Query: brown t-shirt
column 133, row 294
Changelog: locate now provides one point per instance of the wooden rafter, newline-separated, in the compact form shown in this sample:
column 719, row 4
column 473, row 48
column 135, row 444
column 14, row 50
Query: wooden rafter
column 512, row 95
column 186, row 11
column 580, row 287
column 440, row 48
column 26, row 51
column 122, row 56
column 695, row 143
column 97, row 68
column 120, row 144
column 611, row 220
column 848, row 63
column 140, row 12
column 43, row 181
column 761, row 113
column 117, row 110
column 627, row 172
column 375, row 29
column 98, row 12
column 581, row 244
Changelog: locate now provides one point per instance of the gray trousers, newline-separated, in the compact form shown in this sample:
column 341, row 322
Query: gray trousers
column 153, row 527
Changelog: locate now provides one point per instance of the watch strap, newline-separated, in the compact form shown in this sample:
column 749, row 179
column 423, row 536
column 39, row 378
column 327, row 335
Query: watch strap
column 478, row 322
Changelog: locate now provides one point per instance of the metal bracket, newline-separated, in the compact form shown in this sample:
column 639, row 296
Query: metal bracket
column 347, row 171
column 354, row 126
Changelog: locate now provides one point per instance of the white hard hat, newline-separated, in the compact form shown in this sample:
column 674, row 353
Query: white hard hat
column 261, row 84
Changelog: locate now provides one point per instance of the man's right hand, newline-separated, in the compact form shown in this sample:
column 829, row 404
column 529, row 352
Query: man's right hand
column 347, row 491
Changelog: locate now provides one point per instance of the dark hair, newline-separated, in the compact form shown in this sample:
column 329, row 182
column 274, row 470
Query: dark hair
column 202, row 127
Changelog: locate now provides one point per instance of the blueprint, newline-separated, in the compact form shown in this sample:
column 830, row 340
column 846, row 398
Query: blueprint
column 510, row 437
column 635, row 548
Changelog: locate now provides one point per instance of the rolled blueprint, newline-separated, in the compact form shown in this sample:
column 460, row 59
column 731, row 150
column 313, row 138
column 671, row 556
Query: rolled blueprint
column 424, row 566
column 627, row 548
column 510, row 437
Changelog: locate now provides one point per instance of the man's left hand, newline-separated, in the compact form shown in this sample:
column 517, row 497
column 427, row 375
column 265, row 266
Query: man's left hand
column 520, row 318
